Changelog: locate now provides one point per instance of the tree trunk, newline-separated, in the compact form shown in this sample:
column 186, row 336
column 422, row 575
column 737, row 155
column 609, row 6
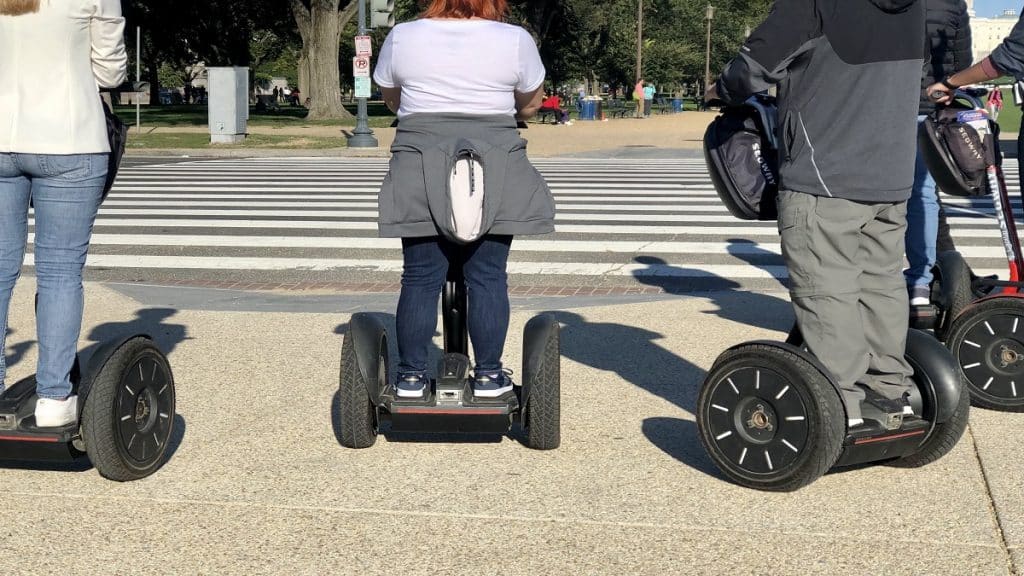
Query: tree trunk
column 320, row 26
column 303, row 73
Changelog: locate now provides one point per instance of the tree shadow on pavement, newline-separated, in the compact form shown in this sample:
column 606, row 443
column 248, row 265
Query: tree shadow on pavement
column 17, row 352
column 733, row 303
column 634, row 354
column 149, row 321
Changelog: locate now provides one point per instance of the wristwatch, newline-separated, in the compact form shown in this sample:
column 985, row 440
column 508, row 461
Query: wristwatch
column 952, row 87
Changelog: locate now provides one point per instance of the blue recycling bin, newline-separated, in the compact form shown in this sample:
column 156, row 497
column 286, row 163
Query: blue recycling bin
column 588, row 109
column 677, row 105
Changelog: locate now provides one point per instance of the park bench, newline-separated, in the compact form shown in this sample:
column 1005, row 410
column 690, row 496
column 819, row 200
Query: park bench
column 616, row 108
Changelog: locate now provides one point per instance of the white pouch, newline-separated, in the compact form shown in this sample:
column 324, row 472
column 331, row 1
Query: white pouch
column 466, row 194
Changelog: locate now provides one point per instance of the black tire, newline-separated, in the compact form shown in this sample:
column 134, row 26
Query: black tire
column 128, row 416
column 543, row 408
column 953, row 277
column 943, row 438
column 987, row 341
column 357, row 417
column 803, row 429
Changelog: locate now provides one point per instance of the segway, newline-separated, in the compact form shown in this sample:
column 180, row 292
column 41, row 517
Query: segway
column 125, row 420
column 980, row 319
column 367, row 396
column 771, row 417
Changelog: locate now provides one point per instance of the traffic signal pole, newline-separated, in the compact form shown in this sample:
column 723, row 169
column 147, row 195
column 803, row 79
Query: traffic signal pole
column 362, row 136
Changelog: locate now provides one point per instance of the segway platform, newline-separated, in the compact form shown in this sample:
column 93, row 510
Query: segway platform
column 450, row 405
column 980, row 319
column 126, row 403
column 367, row 397
column 772, row 418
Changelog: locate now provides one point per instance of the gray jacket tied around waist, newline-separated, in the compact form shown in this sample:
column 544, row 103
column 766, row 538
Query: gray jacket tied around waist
column 414, row 199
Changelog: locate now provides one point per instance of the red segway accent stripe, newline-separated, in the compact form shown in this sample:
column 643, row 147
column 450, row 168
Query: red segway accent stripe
column 888, row 438
column 46, row 439
column 451, row 412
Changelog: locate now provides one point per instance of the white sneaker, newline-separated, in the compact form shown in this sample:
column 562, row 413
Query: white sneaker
column 854, row 422
column 920, row 301
column 56, row 413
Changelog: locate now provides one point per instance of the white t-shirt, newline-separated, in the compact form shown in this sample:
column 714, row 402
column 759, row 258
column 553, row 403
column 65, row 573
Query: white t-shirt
column 462, row 66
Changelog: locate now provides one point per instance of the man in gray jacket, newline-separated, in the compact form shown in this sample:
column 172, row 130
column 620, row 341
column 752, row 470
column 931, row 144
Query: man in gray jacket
column 848, row 73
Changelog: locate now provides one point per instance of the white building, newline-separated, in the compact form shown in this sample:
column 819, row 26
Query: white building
column 987, row 33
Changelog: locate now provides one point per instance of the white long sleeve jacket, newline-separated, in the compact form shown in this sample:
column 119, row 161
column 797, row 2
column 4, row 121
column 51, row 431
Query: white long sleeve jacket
column 52, row 64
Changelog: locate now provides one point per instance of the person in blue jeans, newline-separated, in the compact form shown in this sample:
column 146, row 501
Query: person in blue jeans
column 53, row 158
column 949, row 44
column 459, row 78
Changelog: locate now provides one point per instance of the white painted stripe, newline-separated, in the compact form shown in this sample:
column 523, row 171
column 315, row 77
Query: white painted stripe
column 597, row 217
column 705, row 271
column 327, row 203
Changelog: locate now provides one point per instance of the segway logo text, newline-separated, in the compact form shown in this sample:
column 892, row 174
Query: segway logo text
column 762, row 165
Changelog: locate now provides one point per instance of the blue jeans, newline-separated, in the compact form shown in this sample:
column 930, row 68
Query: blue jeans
column 922, row 226
column 65, row 191
column 426, row 269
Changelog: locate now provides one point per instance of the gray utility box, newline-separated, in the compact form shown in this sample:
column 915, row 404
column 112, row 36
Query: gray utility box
column 229, row 103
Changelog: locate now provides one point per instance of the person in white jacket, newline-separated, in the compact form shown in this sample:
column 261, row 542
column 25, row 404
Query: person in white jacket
column 54, row 57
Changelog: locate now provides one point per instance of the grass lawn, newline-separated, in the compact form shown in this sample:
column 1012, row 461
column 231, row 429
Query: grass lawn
column 202, row 140
column 197, row 115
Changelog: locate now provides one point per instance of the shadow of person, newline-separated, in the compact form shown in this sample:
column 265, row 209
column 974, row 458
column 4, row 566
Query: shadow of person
column 17, row 352
column 151, row 321
column 743, row 306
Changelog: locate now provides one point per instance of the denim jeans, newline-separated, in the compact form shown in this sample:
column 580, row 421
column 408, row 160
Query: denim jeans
column 65, row 191
column 922, row 226
column 426, row 268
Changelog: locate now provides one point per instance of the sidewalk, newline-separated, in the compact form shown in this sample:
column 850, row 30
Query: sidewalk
column 258, row 483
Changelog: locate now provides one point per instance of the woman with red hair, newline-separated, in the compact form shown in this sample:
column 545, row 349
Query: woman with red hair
column 459, row 79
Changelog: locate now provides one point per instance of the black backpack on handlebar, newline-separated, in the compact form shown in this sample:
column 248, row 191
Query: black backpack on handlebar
column 742, row 155
column 956, row 153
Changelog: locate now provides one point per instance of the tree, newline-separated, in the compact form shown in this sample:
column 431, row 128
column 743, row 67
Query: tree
column 320, row 24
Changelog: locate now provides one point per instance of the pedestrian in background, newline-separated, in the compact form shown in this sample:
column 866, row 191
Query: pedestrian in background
column 53, row 155
column 995, row 103
column 648, row 99
column 638, row 97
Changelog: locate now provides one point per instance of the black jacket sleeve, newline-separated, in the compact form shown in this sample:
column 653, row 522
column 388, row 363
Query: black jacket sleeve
column 791, row 29
column 963, row 56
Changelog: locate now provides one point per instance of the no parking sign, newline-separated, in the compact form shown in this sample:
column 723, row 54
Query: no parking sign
column 361, row 67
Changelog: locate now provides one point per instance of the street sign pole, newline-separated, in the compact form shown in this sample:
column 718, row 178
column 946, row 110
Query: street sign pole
column 362, row 136
column 138, row 79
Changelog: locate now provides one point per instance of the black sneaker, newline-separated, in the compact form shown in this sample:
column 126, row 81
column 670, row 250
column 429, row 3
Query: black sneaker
column 492, row 383
column 411, row 386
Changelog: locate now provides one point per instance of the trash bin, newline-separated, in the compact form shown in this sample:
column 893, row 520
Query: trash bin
column 677, row 104
column 591, row 108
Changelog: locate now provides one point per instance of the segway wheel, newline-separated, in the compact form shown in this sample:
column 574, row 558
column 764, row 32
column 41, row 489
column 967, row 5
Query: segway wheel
column 128, row 415
column 987, row 341
column 357, row 418
column 769, row 419
column 543, row 411
column 953, row 279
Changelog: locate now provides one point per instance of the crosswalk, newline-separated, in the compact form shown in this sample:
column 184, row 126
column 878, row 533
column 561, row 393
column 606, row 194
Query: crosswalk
column 619, row 223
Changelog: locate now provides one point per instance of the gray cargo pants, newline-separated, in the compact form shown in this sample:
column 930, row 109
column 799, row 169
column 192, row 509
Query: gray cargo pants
column 845, row 262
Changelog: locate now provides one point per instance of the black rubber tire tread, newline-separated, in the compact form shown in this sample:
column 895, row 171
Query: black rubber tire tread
column 956, row 274
column 825, row 443
column 959, row 331
column 544, row 409
column 355, row 418
column 943, row 438
column 98, row 429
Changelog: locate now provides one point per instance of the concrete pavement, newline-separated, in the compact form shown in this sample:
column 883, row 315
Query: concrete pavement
column 257, row 482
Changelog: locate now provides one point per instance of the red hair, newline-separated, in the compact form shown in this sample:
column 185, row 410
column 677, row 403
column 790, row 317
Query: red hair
column 486, row 9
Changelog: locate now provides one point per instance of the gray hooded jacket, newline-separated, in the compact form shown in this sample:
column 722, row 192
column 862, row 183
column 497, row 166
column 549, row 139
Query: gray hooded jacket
column 849, row 75
column 414, row 199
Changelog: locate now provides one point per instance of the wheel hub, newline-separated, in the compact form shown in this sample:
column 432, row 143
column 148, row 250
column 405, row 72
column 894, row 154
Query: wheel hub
column 757, row 420
column 141, row 411
column 1009, row 355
